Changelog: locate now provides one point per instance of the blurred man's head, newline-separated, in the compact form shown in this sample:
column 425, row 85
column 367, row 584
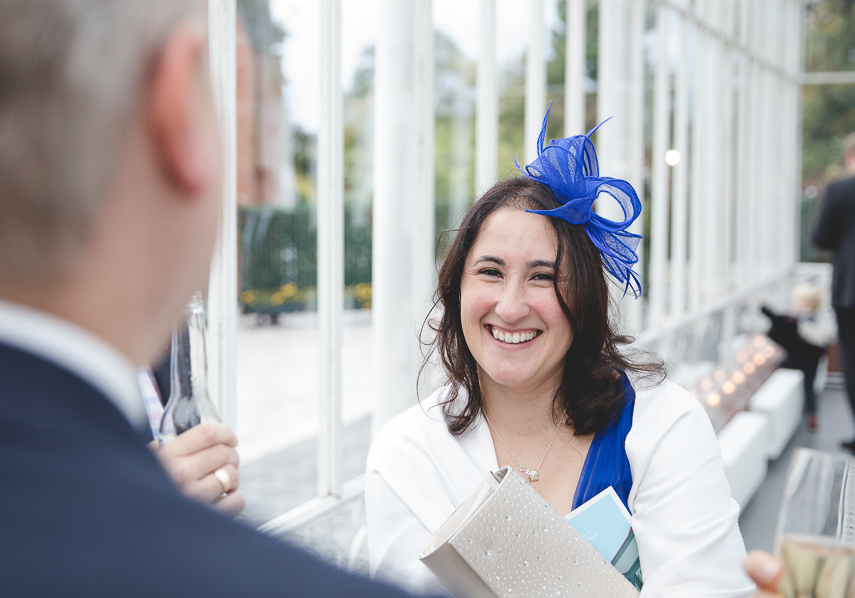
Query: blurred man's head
column 109, row 161
column 849, row 152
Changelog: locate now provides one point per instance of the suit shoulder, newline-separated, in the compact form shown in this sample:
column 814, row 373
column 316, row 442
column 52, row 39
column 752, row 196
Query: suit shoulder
column 145, row 537
column 842, row 189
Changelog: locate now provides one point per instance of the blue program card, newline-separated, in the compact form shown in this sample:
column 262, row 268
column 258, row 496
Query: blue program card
column 606, row 524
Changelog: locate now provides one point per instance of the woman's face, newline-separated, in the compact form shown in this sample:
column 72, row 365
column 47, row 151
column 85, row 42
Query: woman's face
column 512, row 321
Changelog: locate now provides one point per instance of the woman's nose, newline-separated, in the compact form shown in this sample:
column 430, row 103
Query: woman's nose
column 512, row 305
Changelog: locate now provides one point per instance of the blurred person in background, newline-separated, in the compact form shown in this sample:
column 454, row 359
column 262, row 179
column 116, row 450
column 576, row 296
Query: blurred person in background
column 804, row 334
column 110, row 170
column 835, row 230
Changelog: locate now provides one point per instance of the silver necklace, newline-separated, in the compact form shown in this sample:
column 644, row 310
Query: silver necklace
column 532, row 474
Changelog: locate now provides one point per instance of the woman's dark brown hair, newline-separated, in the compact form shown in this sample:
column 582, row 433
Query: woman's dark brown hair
column 591, row 389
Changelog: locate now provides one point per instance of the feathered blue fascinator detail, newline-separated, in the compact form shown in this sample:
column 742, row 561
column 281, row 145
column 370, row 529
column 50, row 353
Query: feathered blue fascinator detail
column 569, row 168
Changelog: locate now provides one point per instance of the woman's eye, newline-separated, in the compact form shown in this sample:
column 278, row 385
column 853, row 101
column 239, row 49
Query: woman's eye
column 490, row 272
column 542, row 276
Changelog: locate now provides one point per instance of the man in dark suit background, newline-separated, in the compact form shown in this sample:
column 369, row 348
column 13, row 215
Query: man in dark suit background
column 835, row 230
column 110, row 175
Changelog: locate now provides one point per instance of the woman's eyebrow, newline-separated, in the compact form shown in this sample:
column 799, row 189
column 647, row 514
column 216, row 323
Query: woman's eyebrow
column 540, row 264
column 490, row 258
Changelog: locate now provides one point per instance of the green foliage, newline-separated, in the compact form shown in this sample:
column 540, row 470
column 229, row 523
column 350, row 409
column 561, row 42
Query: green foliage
column 454, row 132
column 358, row 105
column 279, row 257
column 454, row 128
column 305, row 148
column 277, row 247
column 511, row 118
column 829, row 115
column 828, row 110
column 555, row 68
column 830, row 36
column 512, row 101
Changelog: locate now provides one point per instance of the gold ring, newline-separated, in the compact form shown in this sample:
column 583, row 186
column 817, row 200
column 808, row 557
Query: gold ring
column 225, row 479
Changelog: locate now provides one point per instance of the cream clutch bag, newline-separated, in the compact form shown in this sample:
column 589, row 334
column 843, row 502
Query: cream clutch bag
column 505, row 540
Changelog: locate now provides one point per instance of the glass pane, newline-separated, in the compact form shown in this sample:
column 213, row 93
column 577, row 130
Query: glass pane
column 277, row 343
column 512, row 25
column 359, row 18
column 828, row 36
column 456, row 51
column 555, row 15
column 827, row 113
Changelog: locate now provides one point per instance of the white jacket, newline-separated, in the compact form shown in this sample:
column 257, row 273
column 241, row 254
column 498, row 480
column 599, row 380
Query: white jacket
column 683, row 515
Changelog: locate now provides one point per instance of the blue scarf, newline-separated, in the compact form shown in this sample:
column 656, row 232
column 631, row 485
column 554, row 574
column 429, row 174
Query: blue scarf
column 606, row 464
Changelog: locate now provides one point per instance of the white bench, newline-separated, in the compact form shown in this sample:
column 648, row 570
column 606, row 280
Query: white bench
column 743, row 443
column 781, row 398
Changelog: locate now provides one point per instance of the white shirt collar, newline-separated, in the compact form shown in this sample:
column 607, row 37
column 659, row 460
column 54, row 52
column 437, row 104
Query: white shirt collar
column 77, row 350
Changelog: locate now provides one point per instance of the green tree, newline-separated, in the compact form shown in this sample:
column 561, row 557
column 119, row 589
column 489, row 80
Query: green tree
column 828, row 110
column 829, row 36
column 512, row 101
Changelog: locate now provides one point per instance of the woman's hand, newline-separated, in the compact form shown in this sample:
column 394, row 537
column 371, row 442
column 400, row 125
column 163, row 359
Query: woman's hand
column 765, row 570
column 193, row 457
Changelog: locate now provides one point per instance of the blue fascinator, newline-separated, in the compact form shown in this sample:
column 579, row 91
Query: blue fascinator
column 569, row 168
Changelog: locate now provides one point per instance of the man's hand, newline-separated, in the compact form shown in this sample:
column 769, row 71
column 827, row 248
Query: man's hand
column 193, row 457
column 765, row 570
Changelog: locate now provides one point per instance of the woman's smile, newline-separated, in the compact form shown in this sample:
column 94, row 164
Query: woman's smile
column 509, row 337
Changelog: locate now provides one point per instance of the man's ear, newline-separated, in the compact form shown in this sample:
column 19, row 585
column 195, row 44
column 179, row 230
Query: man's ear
column 174, row 99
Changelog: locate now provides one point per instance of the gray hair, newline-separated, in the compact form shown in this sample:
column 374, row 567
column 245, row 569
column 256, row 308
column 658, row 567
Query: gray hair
column 72, row 76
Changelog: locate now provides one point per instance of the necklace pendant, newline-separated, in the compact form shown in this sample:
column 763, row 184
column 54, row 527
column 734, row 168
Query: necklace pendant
column 532, row 475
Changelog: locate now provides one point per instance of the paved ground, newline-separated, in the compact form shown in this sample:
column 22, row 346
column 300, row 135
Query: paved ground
column 277, row 483
column 278, row 380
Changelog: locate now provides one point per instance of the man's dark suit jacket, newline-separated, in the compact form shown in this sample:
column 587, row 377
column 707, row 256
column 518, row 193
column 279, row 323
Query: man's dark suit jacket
column 835, row 230
column 86, row 509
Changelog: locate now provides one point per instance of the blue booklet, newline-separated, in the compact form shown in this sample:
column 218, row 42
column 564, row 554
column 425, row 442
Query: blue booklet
column 606, row 524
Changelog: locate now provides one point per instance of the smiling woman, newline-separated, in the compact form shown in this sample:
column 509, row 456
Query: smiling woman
column 538, row 381
column 529, row 268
